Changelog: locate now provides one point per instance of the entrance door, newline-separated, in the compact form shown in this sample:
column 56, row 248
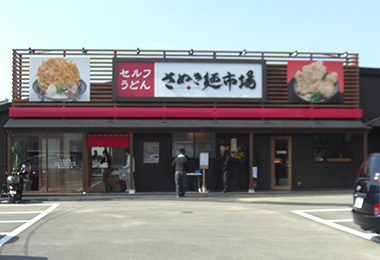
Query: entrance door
column 281, row 163
column 153, row 155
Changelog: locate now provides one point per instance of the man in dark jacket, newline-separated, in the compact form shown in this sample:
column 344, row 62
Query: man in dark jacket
column 181, row 165
column 225, row 167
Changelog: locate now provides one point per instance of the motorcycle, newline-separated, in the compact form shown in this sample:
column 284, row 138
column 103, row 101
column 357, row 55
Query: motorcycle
column 15, row 184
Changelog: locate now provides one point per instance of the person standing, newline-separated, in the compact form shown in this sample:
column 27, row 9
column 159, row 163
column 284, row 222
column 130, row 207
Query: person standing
column 127, row 170
column 95, row 156
column 225, row 167
column 105, row 163
column 181, row 165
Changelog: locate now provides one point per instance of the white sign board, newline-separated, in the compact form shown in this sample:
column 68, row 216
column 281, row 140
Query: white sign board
column 203, row 160
column 151, row 152
column 255, row 172
column 205, row 80
column 188, row 79
column 233, row 144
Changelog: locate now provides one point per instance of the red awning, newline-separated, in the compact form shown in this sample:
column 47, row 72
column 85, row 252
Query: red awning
column 184, row 112
column 99, row 140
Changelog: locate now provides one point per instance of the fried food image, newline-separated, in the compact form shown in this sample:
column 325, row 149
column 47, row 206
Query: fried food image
column 314, row 83
column 58, row 78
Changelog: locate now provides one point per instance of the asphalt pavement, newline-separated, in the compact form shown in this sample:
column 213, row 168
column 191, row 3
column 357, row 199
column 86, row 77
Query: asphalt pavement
column 261, row 225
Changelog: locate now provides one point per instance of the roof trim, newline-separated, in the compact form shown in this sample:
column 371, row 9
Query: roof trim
column 185, row 124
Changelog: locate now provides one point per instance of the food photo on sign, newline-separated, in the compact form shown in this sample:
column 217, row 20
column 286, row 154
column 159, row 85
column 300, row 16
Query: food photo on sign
column 315, row 82
column 57, row 79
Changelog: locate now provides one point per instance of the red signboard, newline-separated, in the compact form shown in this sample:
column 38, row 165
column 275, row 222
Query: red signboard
column 108, row 141
column 135, row 79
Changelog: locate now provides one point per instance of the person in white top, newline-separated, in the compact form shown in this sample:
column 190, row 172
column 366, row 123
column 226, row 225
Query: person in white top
column 127, row 170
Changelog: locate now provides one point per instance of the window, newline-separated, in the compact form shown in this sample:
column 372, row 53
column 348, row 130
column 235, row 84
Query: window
column 26, row 149
column 194, row 144
column 55, row 160
column 332, row 148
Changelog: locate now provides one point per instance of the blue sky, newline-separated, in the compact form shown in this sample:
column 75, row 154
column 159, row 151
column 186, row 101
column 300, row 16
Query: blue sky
column 270, row 25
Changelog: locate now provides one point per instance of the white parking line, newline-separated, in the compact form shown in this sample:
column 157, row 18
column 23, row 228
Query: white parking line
column 13, row 221
column 20, row 212
column 21, row 205
column 341, row 220
column 332, row 223
column 28, row 223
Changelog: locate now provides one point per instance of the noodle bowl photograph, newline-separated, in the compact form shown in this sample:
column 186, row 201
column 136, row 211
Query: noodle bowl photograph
column 315, row 82
column 58, row 79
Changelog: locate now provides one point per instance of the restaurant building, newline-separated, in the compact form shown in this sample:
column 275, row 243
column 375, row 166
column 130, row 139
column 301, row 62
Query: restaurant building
column 4, row 111
column 295, row 116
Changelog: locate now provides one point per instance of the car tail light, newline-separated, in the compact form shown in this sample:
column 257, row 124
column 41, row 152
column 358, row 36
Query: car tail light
column 376, row 210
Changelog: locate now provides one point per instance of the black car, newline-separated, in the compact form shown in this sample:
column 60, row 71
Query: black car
column 366, row 206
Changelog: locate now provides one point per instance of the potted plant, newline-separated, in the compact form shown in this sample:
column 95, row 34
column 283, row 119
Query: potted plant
column 16, row 150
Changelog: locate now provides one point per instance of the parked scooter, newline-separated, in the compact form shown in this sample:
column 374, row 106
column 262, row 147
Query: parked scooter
column 15, row 183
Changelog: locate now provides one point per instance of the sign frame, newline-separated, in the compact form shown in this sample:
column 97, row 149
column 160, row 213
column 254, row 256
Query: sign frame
column 117, row 98
column 151, row 152
column 203, row 160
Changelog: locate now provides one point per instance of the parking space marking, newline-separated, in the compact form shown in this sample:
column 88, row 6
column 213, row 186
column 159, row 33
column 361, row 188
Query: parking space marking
column 341, row 220
column 20, row 212
column 27, row 223
column 13, row 221
column 333, row 223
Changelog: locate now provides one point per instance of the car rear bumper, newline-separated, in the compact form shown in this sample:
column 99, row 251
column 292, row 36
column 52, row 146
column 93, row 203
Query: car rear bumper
column 367, row 222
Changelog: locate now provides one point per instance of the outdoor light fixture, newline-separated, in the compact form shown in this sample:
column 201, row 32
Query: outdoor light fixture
column 31, row 50
column 345, row 54
column 295, row 53
column 84, row 50
column 138, row 51
column 191, row 52
column 244, row 52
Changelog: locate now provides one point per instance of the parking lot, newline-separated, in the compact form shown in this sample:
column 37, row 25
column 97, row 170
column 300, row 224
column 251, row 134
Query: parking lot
column 15, row 218
column 339, row 219
column 209, row 226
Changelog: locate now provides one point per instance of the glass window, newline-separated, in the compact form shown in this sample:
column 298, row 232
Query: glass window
column 332, row 148
column 194, row 144
column 56, row 160
column 183, row 140
column 205, row 142
column 26, row 149
column 64, row 161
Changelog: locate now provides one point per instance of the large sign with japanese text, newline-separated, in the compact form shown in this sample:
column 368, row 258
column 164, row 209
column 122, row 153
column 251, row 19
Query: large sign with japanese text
column 188, row 80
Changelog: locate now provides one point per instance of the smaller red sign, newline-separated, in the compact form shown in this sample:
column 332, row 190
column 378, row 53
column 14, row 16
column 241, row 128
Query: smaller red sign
column 108, row 141
column 135, row 79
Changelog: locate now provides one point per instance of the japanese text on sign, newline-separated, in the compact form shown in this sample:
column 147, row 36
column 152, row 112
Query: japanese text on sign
column 190, row 79
column 212, row 80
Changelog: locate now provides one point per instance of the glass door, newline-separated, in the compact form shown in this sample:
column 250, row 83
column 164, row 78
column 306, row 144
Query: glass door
column 281, row 163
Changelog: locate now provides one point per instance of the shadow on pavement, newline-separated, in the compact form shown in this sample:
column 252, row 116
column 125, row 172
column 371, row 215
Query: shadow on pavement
column 376, row 239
